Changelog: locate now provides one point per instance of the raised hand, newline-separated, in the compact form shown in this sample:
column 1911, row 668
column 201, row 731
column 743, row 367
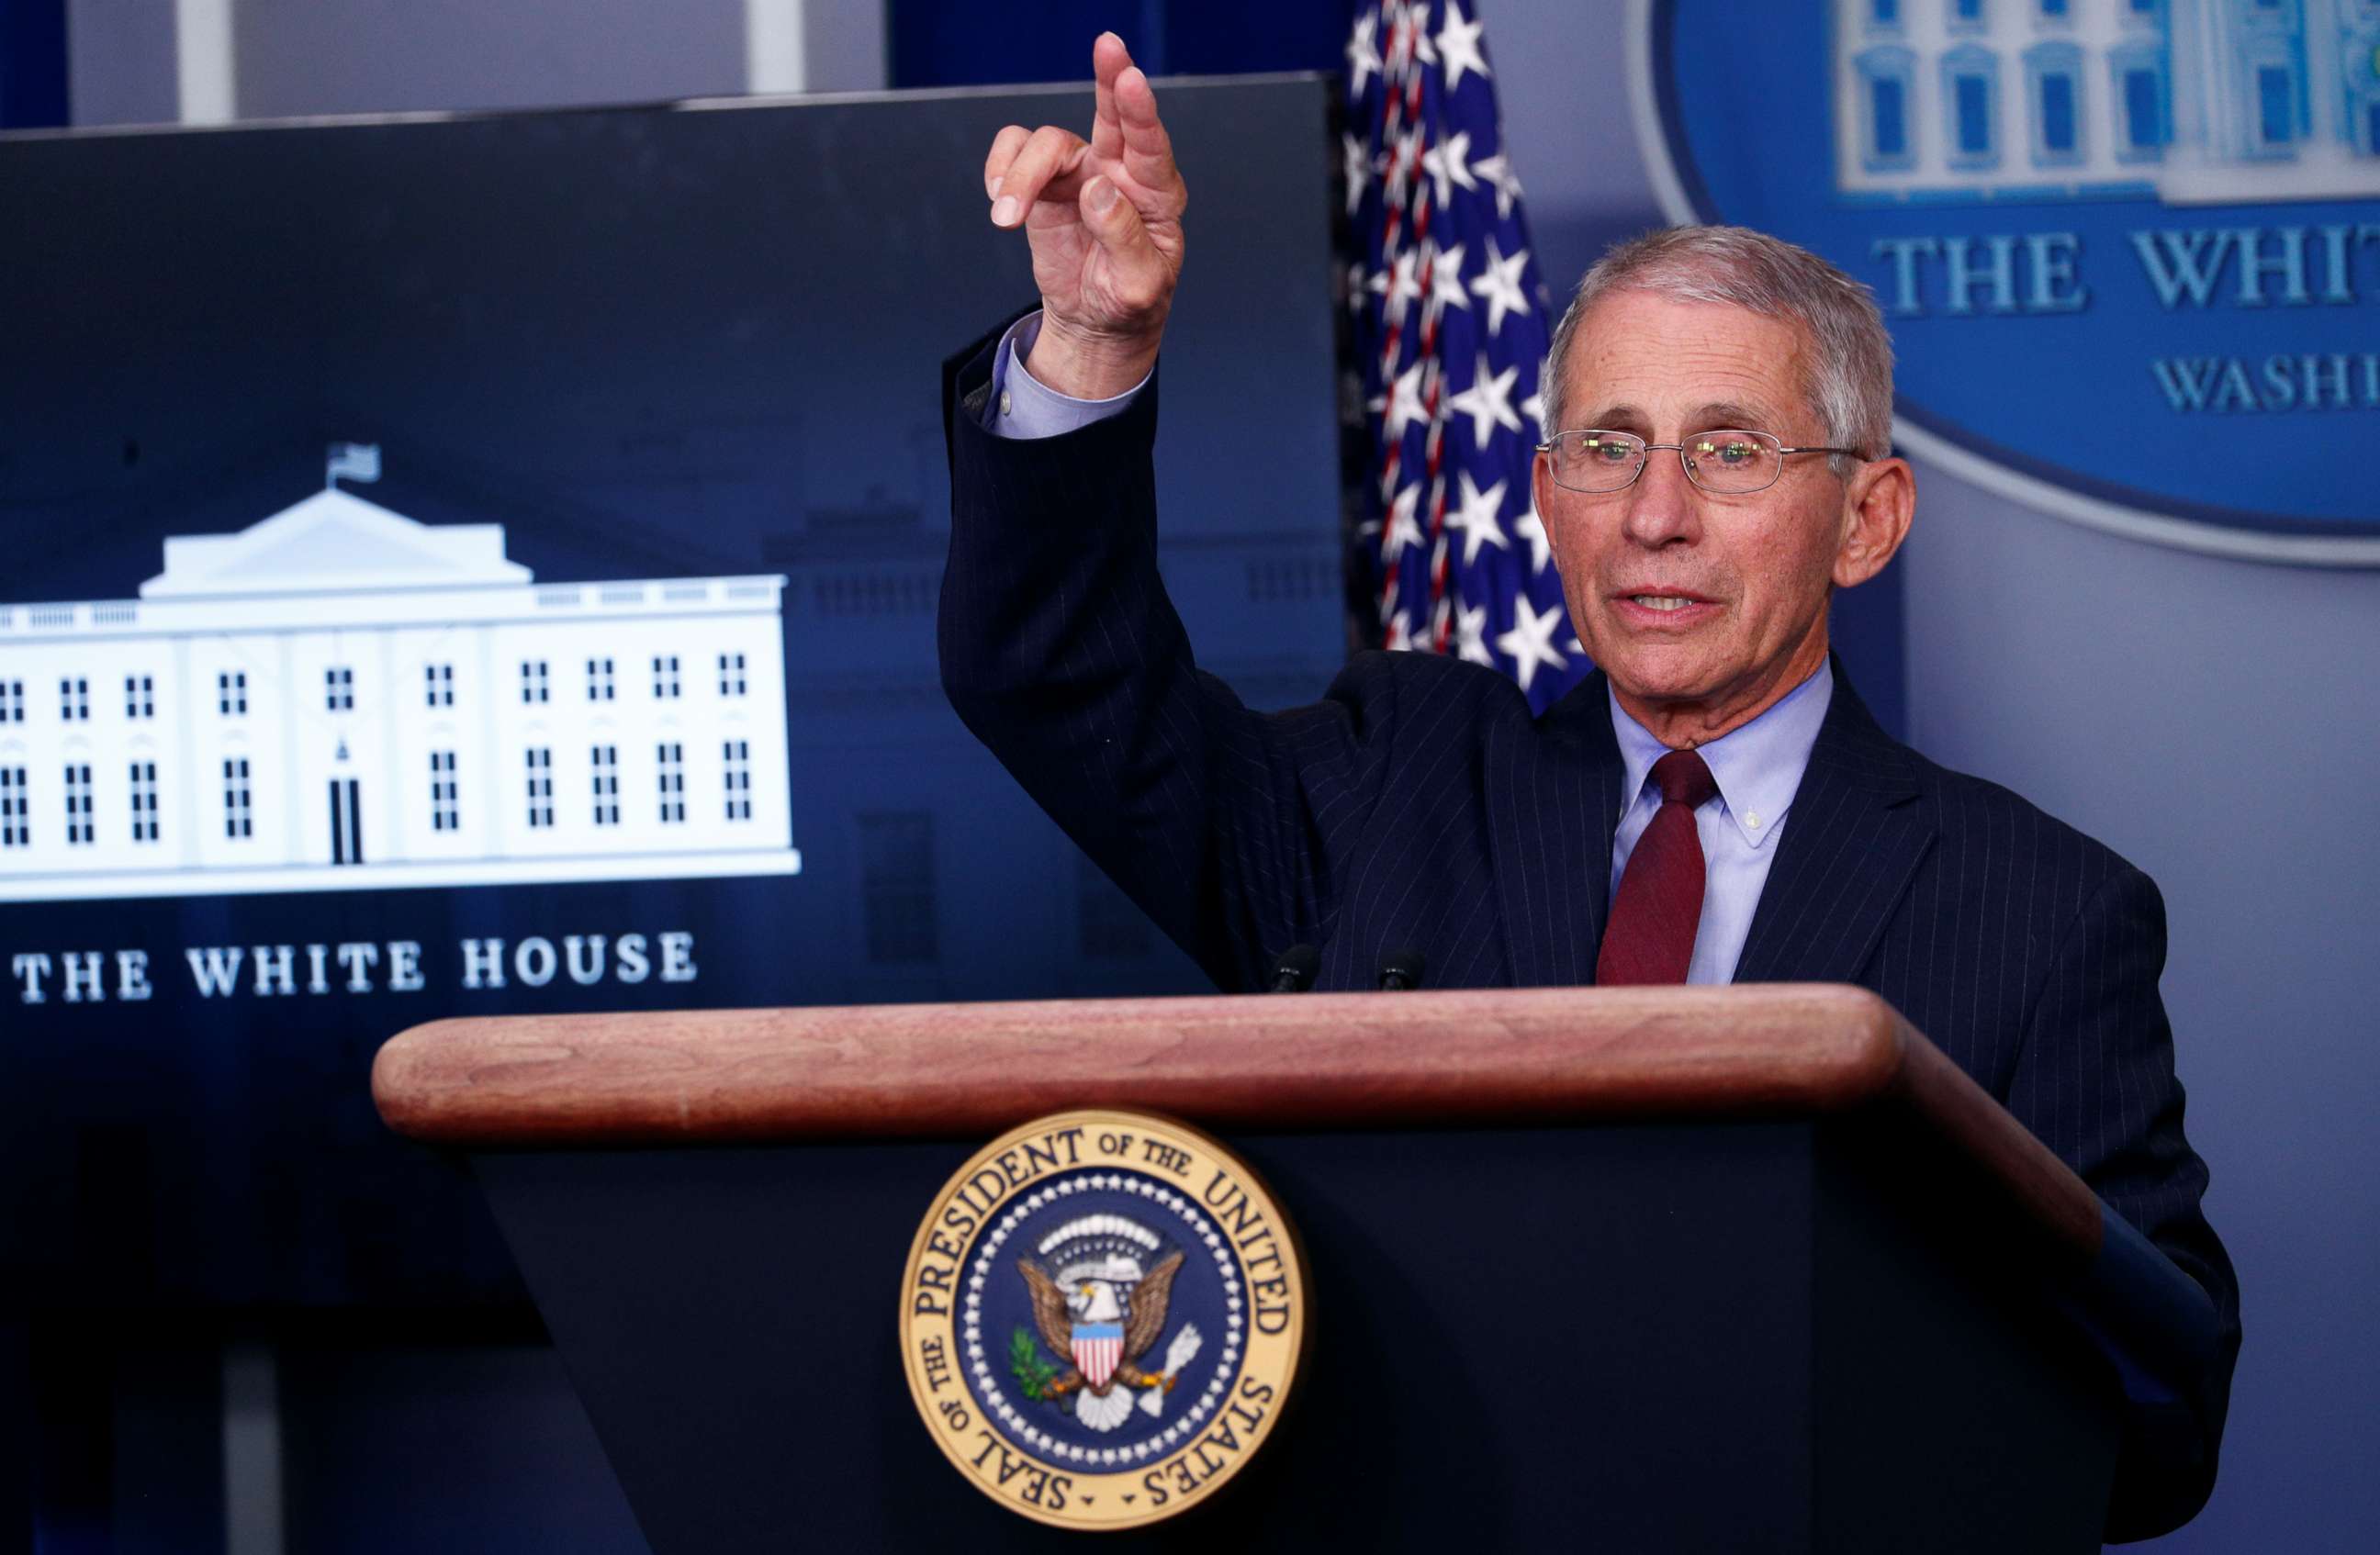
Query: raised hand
column 1104, row 219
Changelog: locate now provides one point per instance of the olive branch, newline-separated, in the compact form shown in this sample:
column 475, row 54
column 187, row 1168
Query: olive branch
column 1033, row 1374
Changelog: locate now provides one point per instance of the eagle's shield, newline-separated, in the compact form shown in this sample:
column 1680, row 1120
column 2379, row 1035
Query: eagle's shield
column 1097, row 1348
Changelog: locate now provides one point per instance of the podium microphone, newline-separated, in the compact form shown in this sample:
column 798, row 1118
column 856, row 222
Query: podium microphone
column 1293, row 969
column 1402, row 970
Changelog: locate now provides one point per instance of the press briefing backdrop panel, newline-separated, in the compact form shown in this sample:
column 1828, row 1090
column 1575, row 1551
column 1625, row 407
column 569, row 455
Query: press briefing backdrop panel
column 615, row 688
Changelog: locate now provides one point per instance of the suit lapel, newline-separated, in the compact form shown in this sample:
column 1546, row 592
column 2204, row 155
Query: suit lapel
column 1550, row 817
column 1853, row 840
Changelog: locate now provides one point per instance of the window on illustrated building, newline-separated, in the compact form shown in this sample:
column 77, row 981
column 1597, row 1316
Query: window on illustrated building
column 239, row 818
column 74, row 700
column 731, row 674
column 16, row 809
column 605, row 760
column 535, row 684
column 670, row 762
column 339, row 689
column 231, row 694
column 735, row 760
column 439, row 684
column 12, row 702
column 444, row 811
column 2053, row 88
column 665, row 677
column 896, row 888
column 598, row 680
column 78, row 823
column 144, row 801
column 1970, row 90
column 1884, row 73
column 540, row 786
column 2137, row 75
column 139, row 696
column 2276, row 105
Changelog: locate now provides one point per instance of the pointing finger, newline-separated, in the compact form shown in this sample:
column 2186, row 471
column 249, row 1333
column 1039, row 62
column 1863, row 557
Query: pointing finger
column 1004, row 146
column 1147, row 149
column 1109, row 59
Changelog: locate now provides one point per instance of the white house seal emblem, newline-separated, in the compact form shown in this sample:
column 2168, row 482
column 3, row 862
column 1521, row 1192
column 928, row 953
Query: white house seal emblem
column 1103, row 1317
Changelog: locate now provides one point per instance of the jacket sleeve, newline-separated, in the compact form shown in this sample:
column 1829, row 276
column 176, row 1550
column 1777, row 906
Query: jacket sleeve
column 1061, row 651
column 2095, row 1081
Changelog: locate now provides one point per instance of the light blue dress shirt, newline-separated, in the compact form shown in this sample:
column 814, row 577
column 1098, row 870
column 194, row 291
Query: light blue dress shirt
column 1023, row 406
column 1757, row 768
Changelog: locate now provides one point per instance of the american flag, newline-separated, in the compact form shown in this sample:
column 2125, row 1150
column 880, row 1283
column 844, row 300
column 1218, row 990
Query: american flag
column 1451, row 333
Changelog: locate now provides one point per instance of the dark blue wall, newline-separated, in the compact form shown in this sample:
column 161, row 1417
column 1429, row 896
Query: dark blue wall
column 967, row 42
column 33, row 64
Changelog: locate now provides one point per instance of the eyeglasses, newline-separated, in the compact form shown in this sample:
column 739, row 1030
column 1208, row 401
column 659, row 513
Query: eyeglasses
column 1731, row 463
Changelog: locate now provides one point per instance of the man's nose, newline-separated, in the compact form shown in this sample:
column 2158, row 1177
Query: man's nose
column 1663, row 506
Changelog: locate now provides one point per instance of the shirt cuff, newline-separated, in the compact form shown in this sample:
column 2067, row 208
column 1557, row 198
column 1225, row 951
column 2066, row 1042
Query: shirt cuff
column 1023, row 406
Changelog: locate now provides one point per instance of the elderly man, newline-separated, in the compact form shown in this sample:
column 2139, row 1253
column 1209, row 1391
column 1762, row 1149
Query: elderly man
column 1716, row 805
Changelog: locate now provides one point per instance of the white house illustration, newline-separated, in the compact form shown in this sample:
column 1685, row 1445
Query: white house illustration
column 340, row 697
column 2190, row 101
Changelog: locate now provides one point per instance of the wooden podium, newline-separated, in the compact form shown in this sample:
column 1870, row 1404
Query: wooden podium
column 1622, row 1269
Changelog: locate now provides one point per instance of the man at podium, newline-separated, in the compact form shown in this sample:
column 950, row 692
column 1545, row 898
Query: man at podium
column 1715, row 805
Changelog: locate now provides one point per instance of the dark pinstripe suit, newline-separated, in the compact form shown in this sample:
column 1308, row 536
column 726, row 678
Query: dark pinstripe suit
column 1419, row 806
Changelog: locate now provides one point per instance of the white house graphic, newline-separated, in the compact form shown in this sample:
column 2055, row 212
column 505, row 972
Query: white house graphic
column 339, row 698
column 2189, row 101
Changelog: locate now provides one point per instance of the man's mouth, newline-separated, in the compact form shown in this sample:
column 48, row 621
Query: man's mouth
column 1661, row 596
column 1663, row 607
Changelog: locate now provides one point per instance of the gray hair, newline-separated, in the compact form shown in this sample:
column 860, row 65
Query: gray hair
column 1850, row 370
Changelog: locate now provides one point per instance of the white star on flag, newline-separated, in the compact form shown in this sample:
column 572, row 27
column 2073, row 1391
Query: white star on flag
column 1446, row 167
column 1474, row 515
column 1532, row 528
column 1363, row 54
column 1534, row 407
column 1500, row 281
column 1488, row 401
column 1458, row 44
column 1530, row 642
column 1471, row 632
column 1498, row 172
column 1402, row 286
column 1404, row 528
column 1446, row 280
column 1358, row 163
column 1402, row 404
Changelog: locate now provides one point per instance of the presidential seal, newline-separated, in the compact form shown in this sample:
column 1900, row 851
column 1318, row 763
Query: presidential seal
column 1102, row 1319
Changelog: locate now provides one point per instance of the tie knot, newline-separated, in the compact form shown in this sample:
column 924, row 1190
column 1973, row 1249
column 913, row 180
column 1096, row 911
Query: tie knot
column 1683, row 779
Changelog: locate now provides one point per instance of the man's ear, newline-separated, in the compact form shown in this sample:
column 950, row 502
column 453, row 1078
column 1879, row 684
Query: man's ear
column 1878, row 502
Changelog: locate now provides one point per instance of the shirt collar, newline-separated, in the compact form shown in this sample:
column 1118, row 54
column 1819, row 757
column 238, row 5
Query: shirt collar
column 1757, row 767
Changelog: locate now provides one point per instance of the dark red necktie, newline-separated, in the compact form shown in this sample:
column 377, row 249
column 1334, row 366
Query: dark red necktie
column 1651, row 935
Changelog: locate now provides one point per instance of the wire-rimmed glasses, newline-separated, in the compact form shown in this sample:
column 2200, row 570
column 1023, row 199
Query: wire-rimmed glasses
column 1731, row 461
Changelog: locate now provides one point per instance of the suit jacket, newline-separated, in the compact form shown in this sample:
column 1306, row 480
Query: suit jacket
column 1419, row 806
